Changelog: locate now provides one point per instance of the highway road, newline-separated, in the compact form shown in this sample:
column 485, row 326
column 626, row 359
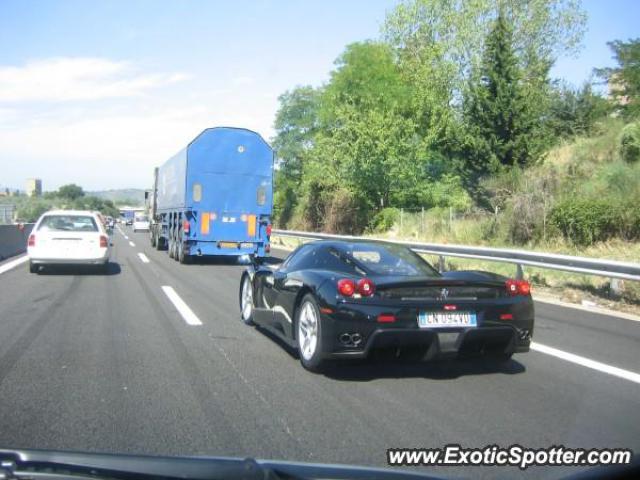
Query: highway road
column 153, row 358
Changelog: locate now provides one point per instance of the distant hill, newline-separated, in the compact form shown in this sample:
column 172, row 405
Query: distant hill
column 135, row 196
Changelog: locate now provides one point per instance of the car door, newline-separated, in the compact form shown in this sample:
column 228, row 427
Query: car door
column 287, row 282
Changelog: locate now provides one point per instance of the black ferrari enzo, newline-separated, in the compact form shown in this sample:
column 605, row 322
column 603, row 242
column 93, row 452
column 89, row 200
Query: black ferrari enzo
column 348, row 299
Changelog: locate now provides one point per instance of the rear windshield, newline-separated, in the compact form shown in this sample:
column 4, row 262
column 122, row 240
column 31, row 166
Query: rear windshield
column 383, row 259
column 68, row 223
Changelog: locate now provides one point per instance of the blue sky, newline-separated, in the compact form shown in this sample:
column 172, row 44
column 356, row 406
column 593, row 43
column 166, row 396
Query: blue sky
column 97, row 93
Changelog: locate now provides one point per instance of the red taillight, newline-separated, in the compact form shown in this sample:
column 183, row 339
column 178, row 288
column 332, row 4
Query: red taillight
column 268, row 230
column 386, row 318
column 185, row 226
column 32, row 240
column 450, row 307
column 104, row 241
column 366, row 287
column 506, row 316
column 518, row 287
column 346, row 287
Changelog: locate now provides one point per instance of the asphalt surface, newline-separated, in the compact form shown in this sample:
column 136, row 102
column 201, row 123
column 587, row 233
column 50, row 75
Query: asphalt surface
column 106, row 363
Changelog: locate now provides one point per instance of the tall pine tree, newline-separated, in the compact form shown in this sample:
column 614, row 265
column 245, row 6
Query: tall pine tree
column 497, row 113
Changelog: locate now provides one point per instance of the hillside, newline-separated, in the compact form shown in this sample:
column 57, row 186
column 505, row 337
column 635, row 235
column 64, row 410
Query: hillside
column 134, row 196
column 580, row 199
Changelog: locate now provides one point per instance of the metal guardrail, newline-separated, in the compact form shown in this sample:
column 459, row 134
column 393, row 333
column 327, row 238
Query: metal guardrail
column 587, row 266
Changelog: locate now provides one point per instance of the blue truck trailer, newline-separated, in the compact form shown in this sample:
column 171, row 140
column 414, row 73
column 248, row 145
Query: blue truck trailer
column 214, row 197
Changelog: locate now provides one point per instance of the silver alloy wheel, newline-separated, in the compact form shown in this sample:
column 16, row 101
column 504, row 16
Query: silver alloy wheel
column 308, row 331
column 247, row 299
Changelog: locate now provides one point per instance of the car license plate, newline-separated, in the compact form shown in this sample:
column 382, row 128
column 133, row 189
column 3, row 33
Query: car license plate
column 446, row 319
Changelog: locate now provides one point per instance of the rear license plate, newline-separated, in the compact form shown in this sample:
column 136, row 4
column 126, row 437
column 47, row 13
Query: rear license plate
column 228, row 245
column 446, row 319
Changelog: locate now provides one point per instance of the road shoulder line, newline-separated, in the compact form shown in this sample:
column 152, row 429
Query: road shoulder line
column 587, row 362
column 5, row 267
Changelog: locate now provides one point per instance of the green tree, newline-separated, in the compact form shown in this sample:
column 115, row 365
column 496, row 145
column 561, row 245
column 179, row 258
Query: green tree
column 70, row 191
column 451, row 33
column 295, row 125
column 496, row 110
column 624, row 80
column 575, row 111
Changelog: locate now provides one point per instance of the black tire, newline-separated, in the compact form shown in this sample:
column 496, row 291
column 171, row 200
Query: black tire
column 171, row 248
column 33, row 268
column 246, row 318
column 314, row 362
column 182, row 257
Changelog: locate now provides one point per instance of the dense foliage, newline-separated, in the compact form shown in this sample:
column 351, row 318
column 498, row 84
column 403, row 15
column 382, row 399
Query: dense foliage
column 449, row 111
column 71, row 196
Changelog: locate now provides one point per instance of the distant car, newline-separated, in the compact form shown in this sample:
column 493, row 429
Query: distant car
column 68, row 237
column 128, row 221
column 347, row 300
column 141, row 223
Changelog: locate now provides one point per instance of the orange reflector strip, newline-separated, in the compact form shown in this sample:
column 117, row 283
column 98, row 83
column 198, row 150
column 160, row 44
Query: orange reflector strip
column 204, row 225
column 326, row 310
column 251, row 225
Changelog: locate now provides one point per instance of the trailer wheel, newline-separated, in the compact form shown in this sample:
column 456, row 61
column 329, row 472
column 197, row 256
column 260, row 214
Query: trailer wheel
column 171, row 247
column 182, row 257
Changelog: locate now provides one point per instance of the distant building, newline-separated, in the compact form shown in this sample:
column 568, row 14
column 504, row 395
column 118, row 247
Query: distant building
column 34, row 187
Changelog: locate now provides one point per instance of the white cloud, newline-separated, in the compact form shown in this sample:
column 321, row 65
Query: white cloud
column 244, row 80
column 116, row 142
column 67, row 78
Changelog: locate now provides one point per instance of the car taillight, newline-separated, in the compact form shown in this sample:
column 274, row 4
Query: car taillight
column 366, row 287
column 104, row 241
column 32, row 241
column 386, row 318
column 185, row 226
column 269, row 230
column 518, row 287
column 346, row 287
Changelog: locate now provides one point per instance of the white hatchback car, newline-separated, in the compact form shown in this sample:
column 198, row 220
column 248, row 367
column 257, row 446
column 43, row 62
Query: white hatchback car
column 68, row 237
column 141, row 223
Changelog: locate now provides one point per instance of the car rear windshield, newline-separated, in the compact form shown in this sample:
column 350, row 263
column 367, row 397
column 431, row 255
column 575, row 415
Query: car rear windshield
column 68, row 223
column 383, row 259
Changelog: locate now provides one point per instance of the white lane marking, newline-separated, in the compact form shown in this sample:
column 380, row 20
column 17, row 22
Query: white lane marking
column 125, row 237
column 13, row 263
column 181, row 306
column 586, row 362
column 143, row 257
column 132, row 244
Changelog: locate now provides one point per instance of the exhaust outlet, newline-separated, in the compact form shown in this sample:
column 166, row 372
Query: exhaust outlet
column 350, row 339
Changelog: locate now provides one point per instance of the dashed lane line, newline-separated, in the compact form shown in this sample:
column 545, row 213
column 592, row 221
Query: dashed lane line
column 183, row 309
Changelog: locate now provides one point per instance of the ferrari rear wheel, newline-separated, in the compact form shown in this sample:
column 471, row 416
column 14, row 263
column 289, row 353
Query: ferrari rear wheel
column 309, row 334
column 246, row 300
